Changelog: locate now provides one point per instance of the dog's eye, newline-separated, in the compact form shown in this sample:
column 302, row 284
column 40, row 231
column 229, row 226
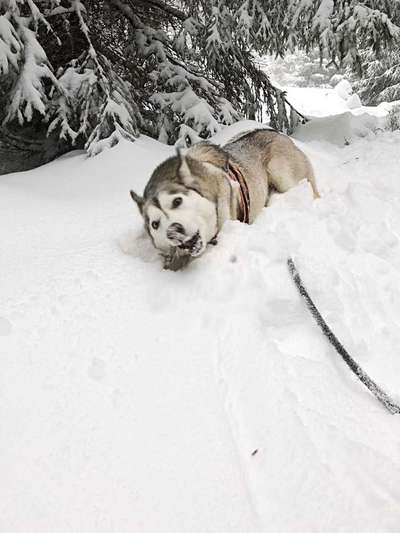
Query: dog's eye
column 176, row 202
column 155, row 224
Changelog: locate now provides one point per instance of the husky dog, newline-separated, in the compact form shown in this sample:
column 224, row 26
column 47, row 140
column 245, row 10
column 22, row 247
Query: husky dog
column 189, row 197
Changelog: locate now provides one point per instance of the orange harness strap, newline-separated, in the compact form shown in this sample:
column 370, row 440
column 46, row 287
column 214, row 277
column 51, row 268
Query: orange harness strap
column 236, row 175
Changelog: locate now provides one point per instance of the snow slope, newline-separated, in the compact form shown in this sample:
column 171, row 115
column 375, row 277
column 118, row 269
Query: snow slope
column 203, row 401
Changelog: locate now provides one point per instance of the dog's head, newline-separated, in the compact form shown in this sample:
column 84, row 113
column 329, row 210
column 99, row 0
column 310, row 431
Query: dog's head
column 179, row 206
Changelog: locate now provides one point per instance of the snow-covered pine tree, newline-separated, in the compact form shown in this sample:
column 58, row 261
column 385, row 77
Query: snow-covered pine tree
column 92, row 103
column 79, row 99
column 341, row 28
column 197, row 56
column 380, row 80
column 87, row 72
column 24, row 74
column 200, row 71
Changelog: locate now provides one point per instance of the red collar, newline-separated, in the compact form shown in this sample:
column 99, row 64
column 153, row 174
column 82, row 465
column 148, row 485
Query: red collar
column 236, row 175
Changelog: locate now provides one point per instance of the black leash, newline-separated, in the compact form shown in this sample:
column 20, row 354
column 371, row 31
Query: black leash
column 358, row 371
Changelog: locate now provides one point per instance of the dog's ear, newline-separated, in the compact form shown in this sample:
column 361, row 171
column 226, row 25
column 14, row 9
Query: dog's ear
column 183, row 167
column 211, row 155
column 139, row 201
column 199, row 162
column 185, row 173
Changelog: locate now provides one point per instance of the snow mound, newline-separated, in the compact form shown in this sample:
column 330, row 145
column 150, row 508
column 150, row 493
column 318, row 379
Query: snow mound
column 339, row 129
column 354, row 101
column 322, row 102
column 207, row 400
column 343, row 89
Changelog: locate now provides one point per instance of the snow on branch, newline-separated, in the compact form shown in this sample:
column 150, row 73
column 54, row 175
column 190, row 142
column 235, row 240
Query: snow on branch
column 28, row 94
column 95, row 105
column 119, row 118
column 176, row 70
column 10, row 46
column 20, row 48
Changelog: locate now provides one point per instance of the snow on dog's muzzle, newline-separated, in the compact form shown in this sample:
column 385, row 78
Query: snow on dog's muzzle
column 191, row 245
column 194, row 245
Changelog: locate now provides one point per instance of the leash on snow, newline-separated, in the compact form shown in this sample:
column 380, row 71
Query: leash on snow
column 358, row 371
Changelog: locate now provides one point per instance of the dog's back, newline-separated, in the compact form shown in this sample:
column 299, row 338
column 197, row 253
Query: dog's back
column 272, row 156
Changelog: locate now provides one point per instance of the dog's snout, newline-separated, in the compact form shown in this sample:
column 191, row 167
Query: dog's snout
column 175, row 231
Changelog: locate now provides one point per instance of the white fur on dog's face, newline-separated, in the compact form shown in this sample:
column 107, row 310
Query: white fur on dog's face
column 195, row 214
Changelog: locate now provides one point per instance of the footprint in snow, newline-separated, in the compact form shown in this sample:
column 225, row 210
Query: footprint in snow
column 5, row 327
column 97, row 369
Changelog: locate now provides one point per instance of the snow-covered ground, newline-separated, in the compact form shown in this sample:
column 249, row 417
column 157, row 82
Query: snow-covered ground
column 205, row 401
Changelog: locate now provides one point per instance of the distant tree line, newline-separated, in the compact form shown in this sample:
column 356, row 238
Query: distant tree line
column 77, row 73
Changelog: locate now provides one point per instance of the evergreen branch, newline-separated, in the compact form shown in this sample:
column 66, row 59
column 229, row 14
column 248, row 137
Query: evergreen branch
column 166, row 8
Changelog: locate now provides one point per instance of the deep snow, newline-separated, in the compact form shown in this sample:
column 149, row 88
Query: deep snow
column 205, row 401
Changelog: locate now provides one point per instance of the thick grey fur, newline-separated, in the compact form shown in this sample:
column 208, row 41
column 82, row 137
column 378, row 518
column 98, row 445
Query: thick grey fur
column 265, row 158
